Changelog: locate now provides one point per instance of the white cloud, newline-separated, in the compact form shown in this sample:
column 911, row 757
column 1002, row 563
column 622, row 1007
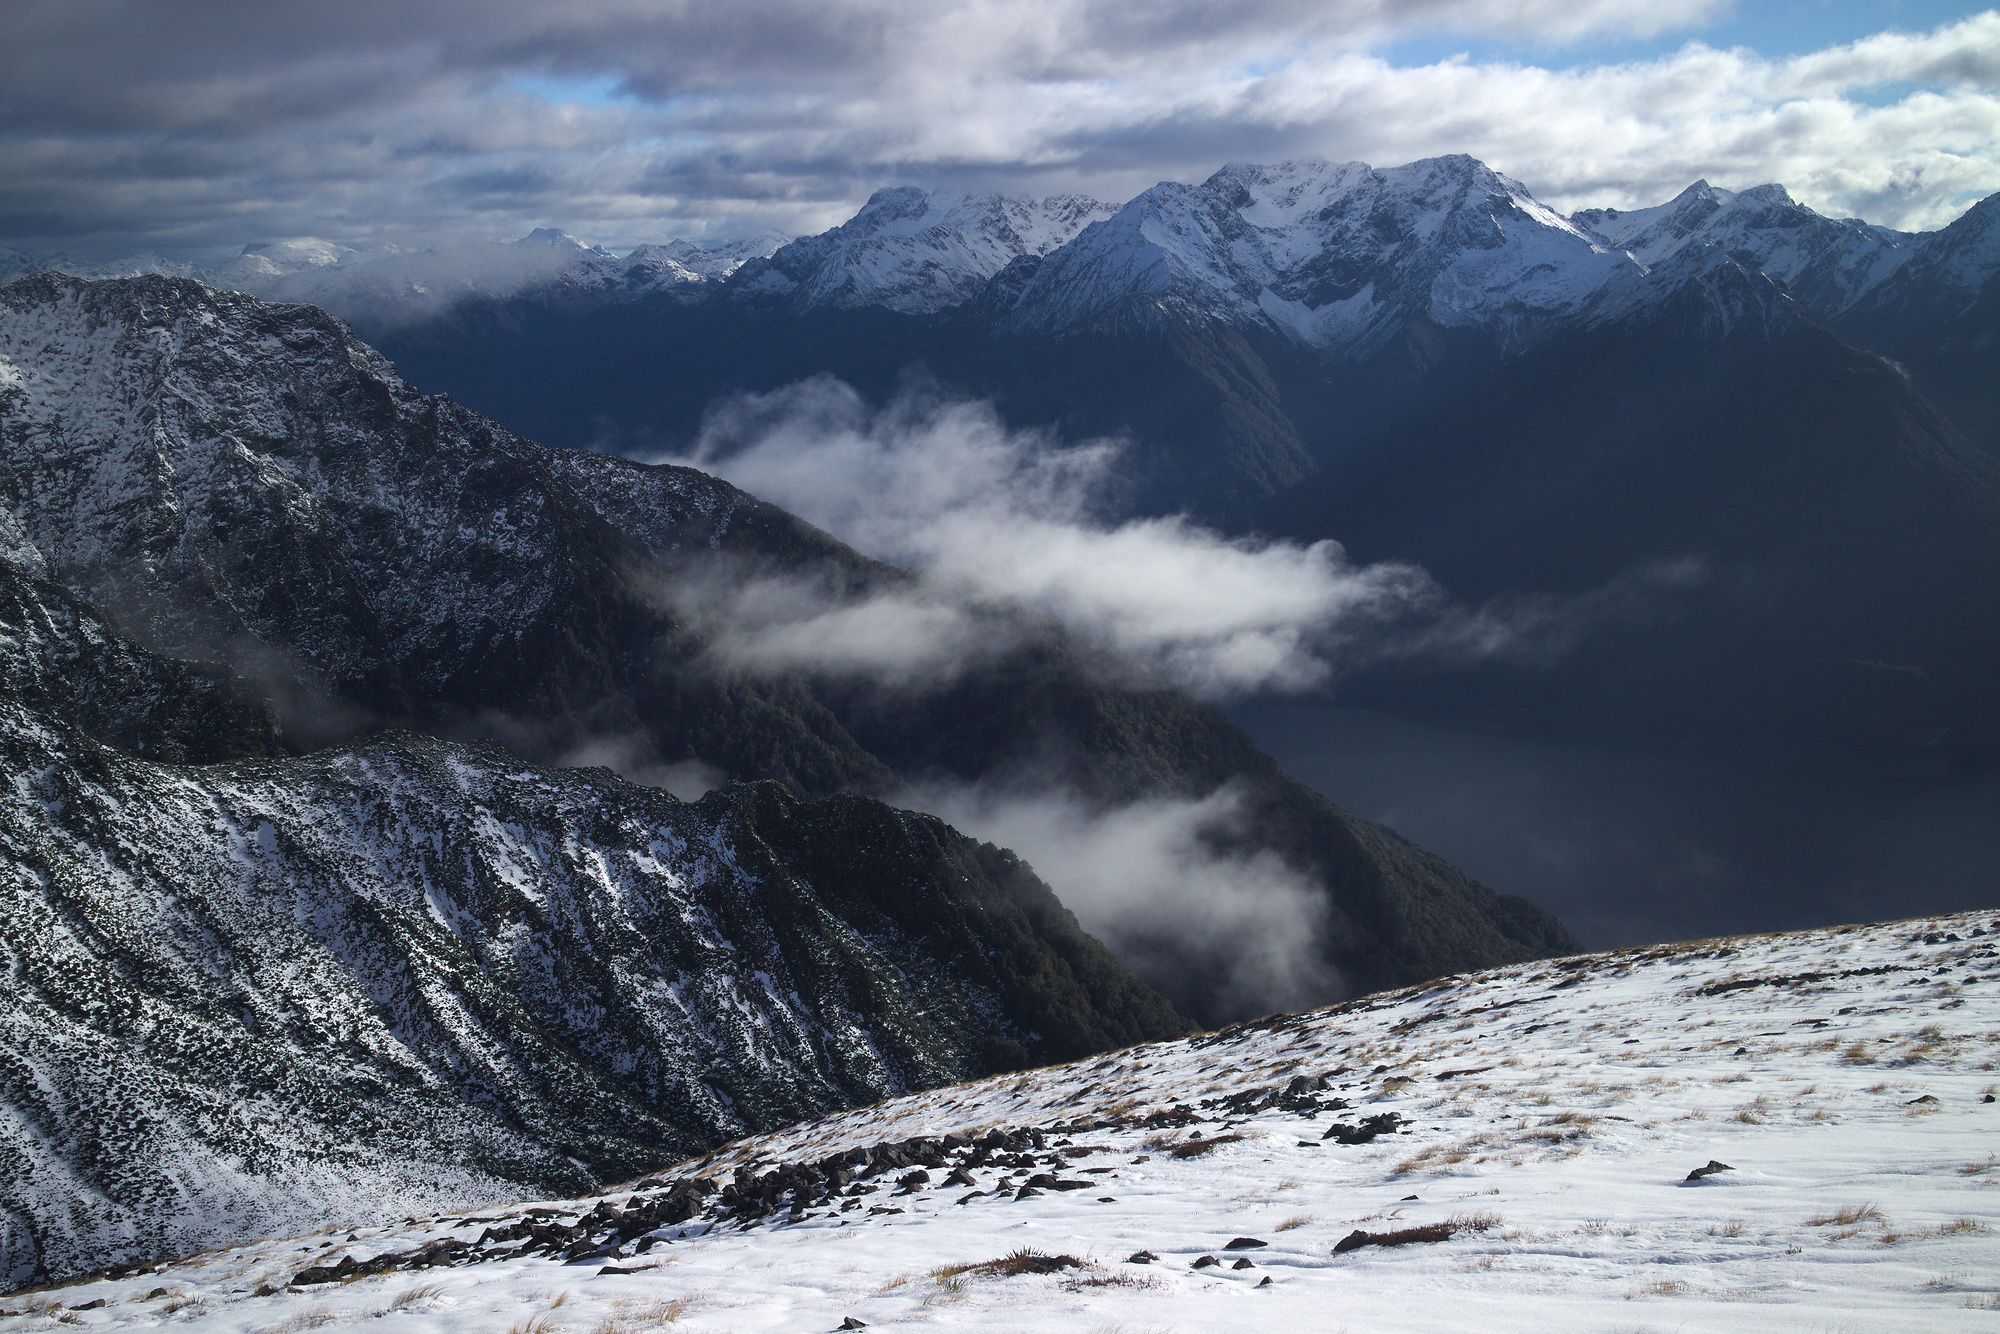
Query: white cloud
column 1000, row 520
column 945, row 487
column 1153, row 881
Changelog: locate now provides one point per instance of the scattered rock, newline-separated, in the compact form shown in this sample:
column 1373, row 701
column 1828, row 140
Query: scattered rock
column 1987, row 1098
column 1266, row 1283
column 1708, row 1171
column 854, row 1322
column 1406, row 1199
column 1928, row 1097
column 1388, row 1123
column 614, row 1269
column 1244, row 1244
column 1205, row 1261
column 89, row 1305
column 1741, row 1051
column 1243, row 1262
column 1142, row 1258
column 1026, row 1193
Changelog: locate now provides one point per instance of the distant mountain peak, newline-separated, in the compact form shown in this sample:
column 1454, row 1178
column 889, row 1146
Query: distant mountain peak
column 917, row 252
column 1336, row 257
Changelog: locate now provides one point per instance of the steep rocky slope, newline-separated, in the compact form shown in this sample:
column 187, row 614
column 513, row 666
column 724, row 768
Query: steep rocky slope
column 405, row 972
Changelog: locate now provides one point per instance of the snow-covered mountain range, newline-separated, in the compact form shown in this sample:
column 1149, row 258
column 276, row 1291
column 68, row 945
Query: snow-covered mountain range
column 1333, row 256
column 394, row 285
column 1752, row 1135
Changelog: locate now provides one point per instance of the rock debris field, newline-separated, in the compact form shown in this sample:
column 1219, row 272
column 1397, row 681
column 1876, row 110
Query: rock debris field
column 1789, row 1132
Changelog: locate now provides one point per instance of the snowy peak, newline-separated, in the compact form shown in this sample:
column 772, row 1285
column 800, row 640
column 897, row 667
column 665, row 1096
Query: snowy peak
column 917, row 252
column 1965, row 256
column 1336, row 257
column 553, row 238
column 1827, row 263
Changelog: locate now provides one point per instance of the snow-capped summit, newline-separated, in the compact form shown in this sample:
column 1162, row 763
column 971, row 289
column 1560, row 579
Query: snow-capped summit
column 558, row 240
column 1957, row 263
column 917, row 252
column 1828, row 263
column 1335, row 256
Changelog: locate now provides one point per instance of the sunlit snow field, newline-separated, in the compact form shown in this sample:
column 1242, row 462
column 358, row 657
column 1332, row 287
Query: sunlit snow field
column 1554, row 1111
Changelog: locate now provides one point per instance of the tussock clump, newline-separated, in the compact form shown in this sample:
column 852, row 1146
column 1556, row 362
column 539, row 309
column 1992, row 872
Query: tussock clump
column 1024, row 1260
column 1455, row 1226
column 1195, row 1148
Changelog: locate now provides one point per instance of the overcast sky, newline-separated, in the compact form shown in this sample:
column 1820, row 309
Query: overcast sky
column 191, row 127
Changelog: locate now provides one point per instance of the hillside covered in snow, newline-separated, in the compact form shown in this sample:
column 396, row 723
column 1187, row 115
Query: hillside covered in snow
column 1760, row 1133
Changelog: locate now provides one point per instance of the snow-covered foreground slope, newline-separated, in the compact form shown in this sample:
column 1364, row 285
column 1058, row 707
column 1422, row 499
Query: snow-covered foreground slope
column 1546, row 1116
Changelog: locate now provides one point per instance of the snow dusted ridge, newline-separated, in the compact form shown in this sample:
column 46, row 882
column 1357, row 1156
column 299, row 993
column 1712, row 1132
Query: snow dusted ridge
column 916, row 252
column 1773, row 1133
column 1827, row 263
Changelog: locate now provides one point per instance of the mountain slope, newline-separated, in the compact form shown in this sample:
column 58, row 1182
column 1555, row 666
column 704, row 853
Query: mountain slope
column 249, row 482
column 404, row 972
column 1750, row 1134
column 1824, row 548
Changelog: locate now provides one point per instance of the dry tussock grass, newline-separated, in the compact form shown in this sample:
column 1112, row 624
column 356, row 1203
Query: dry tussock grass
column 311, row 1319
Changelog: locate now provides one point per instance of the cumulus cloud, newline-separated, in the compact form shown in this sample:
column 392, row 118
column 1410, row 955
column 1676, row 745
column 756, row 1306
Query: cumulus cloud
column 205, row 125
column 998, row 519
column 1222, row 934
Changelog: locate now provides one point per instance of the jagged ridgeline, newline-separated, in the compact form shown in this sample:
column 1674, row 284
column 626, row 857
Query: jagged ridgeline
column 415, row 967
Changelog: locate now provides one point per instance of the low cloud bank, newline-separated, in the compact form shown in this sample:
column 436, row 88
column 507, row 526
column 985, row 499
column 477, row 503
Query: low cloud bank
column 1222, row 934
column 994, row 516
